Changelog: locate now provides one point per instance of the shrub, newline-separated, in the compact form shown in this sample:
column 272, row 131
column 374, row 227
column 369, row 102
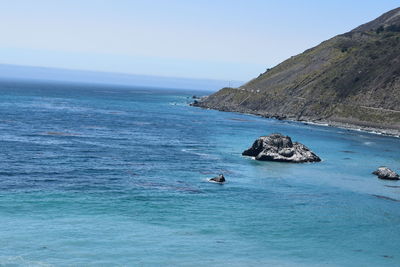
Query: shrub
column 380, row 29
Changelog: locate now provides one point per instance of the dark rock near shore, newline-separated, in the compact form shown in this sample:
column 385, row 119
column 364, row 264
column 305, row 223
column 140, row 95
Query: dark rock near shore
column 386, row 173
column 218, row 179
column 195, row 103
column 279, row 117
column 277, row 147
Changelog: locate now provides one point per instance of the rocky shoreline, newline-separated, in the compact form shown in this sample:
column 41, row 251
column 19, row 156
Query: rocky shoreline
column 328, row 123
column 354, row 127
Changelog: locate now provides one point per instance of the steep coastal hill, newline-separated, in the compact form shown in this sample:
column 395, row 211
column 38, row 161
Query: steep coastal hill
column 351, row 79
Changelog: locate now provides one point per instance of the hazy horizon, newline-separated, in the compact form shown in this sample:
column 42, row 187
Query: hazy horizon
column 49, row 74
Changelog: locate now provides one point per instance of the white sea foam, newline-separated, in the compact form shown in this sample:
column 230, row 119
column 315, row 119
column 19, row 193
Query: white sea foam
column 21, row 261
column 215, row 182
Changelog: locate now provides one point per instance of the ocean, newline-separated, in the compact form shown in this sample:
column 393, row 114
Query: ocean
column 103, row 175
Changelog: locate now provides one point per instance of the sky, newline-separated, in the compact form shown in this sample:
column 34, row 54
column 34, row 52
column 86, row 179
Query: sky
column 218, row 39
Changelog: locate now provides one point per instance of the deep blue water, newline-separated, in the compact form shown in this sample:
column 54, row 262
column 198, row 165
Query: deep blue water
column 112, row 176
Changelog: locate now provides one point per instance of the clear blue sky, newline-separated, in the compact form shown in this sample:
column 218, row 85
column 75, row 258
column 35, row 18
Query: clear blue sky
column 219, row 39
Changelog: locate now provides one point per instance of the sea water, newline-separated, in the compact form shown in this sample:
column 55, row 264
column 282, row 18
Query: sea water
column 97, row 175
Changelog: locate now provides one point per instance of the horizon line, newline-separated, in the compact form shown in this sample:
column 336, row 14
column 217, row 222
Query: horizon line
column 119, row 73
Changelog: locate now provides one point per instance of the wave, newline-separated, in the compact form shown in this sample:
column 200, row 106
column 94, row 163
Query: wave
column 202, row 155
column 32, row 140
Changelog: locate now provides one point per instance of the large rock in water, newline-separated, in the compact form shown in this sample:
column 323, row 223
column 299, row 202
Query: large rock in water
column 277, row 147
column 386, row 173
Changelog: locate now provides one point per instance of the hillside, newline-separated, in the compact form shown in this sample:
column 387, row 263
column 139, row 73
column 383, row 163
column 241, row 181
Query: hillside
column 350, row 79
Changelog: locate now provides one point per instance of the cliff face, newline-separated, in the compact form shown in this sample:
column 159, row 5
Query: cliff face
column 352, row 78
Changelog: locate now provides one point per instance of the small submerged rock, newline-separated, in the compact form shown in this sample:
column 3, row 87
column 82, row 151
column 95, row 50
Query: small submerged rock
column 386, row 198
column 386, row 173
column 218, row 179
column 277, row 147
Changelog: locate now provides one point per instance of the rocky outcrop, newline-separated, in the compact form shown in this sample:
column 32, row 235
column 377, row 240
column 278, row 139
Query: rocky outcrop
column 386, row 173
column 218, row 179
column 194, row 103
column 277, row 147
column 352, row 79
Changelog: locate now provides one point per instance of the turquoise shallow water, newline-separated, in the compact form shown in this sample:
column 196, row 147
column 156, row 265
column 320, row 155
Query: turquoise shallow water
column 104, row 175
